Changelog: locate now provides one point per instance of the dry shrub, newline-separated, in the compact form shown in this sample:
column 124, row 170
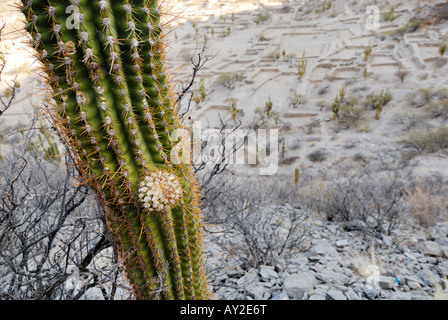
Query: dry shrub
column 427, row 202
column 317, row 156
column 370, row 196
column 229, row 79
column 438, row 109
column 427, row 141
column 402, row 74
column 260, row 219
column 351, row 116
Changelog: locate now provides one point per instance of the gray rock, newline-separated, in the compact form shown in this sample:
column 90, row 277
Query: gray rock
column 332, row 228
column 409, row 279
column 266, row 296
column 443, row 266
column 431, row 248
column 314, row 258
column 256, row 291
column 432, row 260
column 249, row 278
column 299, row 261
column 317, row 296
column 281, row 295
column 414, row 285
column 295, row 285
column 292, row 269
column 342, row 243
column 400, row 295
column 334, row 294
column 268, row 284
column 386, row 282
column 352, row 295
column 279, row 263
column 445, row 251
column 371, row 293
column 267, row 273
column 328, row 276
column 324, row 248
column 425, row 277
column 422, row 260
column 384, row 294
column 387, row 240
column 354, row 225
column 410, row 256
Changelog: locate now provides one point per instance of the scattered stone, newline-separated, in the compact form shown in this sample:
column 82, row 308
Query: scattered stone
column 332, row 277
column 335, row 295
column 267, row 273
column 314, row 258
column 296, row 285
column 400, row 295
column 431, row 248
column 354, row 225
column 342, row 243
column 386, row 282
column 324, row 248
column 432, row 260
column 332, row 268
column 413, row 285
column 279, row 296
column 256, row 291
column 410, row 256
column 317, row 297
column 266, row 296
column 332, row 228
column 278, row 263
column 425, row 277
column 249, row 278
column 352, row 295
column 371, row 293
column 445, row 252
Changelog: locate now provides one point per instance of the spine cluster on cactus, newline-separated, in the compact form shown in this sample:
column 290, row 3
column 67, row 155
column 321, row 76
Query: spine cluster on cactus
column 113, row 104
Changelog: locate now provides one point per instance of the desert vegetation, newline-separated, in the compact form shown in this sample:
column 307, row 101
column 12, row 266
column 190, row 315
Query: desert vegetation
column 361, row 171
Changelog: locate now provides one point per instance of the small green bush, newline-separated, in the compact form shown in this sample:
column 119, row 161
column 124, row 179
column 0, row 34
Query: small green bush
column 229, row 79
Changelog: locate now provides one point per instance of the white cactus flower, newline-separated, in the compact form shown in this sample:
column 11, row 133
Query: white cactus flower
column 159, row 190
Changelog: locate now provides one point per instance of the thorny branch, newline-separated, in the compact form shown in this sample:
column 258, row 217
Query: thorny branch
column 5, row 104
column 49, row 228
column 197, row 65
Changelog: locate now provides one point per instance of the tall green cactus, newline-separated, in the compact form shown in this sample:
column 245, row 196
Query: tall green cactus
column 104, row 62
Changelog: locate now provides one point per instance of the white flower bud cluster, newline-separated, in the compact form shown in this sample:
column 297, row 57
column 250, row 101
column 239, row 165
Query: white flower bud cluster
column 159, row 190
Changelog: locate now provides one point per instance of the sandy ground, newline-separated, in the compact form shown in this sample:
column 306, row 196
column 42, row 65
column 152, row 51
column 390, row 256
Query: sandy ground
column 266, row 55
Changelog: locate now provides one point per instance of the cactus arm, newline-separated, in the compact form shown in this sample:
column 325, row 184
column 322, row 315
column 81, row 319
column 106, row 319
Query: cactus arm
column 114, row 105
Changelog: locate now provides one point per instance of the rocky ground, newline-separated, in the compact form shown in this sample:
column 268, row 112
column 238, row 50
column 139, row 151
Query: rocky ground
column 255, row 49
column 337, row 263
column 333, row 262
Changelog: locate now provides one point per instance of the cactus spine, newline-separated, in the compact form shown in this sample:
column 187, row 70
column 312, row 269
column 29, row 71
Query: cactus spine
column 113, row 105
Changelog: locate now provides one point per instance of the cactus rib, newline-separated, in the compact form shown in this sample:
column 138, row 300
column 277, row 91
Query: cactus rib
column 113, row 104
